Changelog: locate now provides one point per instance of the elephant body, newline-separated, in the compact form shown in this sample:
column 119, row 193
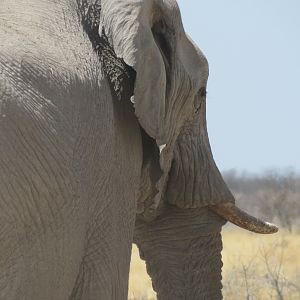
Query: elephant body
column 64, row 143
column 103, row 142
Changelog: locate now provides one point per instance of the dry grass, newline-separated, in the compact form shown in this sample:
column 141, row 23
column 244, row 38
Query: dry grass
column 255, row 267
column 140, row 287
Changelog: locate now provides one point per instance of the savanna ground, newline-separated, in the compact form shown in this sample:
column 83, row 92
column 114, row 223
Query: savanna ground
column 255, row 267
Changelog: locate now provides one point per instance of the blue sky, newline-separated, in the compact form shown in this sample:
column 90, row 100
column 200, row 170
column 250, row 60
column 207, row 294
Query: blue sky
column 253, row 48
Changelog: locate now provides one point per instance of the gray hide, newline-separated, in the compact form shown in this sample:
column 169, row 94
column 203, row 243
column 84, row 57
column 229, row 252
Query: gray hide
column 103, row 141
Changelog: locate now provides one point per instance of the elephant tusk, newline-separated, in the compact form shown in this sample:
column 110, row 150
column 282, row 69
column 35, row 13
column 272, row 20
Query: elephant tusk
column 233, row 214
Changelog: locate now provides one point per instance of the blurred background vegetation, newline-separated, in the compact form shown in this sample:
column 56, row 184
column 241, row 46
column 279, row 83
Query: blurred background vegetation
column 255, row 266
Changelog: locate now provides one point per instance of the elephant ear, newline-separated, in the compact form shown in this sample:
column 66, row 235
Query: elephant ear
column 127, row 25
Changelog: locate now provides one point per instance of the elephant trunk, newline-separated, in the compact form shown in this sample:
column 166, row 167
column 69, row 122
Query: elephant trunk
column 182, row 249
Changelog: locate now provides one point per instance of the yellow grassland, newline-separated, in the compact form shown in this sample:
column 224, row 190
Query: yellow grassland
column 255, row 267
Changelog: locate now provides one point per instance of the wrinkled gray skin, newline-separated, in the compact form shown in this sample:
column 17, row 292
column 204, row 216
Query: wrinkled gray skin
column 88, row 99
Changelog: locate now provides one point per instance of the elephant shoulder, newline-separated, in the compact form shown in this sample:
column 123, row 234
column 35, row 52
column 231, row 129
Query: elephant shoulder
column 57, row 60
column 46, row 81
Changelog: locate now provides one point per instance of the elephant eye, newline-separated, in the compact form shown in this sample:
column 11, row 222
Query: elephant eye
column 203, row 92
column 201, row 95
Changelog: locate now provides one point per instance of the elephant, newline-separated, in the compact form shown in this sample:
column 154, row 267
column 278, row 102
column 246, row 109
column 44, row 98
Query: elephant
column 104, row 143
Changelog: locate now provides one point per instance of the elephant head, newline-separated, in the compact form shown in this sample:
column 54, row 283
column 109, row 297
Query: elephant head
column 169, row 100
column 180, row 182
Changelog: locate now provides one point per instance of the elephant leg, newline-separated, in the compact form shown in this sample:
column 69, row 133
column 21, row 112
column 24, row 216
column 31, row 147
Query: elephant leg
column 114, row 174
column 41, row 224
column 182, row 250
column 34, row 268
column 104, row 269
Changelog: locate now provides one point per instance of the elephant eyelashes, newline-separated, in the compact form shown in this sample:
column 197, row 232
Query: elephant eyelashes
column 159, row 31
column 203, row 92
column 199, row 98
